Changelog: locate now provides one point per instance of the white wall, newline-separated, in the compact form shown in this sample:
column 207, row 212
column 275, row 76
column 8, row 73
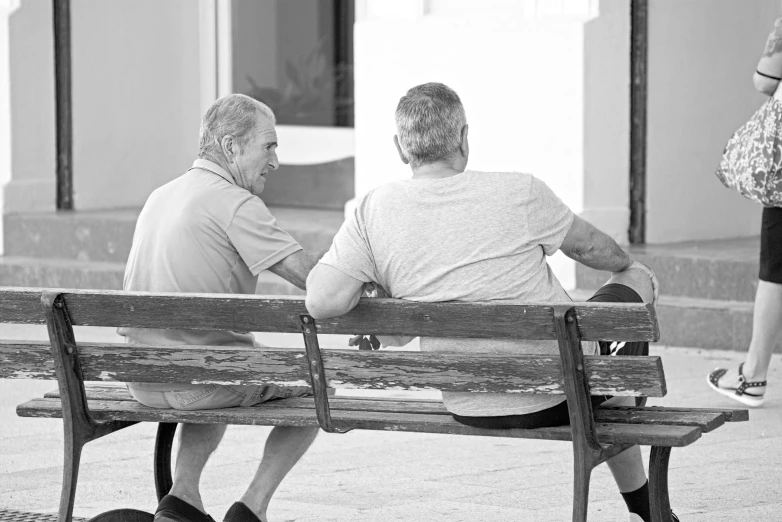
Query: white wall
column 136, row 89
column 606, row 119
column 6, row 147
column 31, row 181
column 701, row 58
column 136, row 105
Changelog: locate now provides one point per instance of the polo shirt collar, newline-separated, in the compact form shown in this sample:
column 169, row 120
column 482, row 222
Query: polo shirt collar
column 214, row 168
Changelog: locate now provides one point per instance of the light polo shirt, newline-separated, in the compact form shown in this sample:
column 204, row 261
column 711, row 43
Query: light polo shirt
column 202, row 233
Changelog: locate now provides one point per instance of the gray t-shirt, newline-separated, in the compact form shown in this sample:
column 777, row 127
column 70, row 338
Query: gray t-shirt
column 476, row 236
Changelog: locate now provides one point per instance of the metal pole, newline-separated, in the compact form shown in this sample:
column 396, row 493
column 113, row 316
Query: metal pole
column 639, row 39
column 64, row 107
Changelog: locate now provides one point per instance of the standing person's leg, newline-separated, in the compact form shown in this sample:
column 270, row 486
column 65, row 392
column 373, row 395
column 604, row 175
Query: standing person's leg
column 284, row 448
column 746, row 383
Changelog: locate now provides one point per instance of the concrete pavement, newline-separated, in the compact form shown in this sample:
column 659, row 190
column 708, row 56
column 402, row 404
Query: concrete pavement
column 732, row 474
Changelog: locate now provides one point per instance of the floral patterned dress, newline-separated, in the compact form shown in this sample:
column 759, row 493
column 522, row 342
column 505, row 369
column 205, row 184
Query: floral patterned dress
column 752, row 161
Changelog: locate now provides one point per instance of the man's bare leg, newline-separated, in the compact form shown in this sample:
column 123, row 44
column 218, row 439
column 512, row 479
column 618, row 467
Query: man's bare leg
column 628, row 467
column 284, row 448
column 197, row 442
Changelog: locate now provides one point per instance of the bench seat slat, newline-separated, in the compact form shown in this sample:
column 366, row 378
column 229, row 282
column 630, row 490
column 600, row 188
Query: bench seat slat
column 653, row 435
column 596, row 321
column 705, row 420
column 400, row 370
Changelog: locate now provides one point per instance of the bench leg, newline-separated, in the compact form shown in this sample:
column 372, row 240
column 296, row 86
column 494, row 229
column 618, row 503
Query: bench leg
column 70, row 476
column 581, row 477
column 163, row 445
column 658, row 484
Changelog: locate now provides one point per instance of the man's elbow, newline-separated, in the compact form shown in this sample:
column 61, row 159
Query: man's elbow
column 318, row 308
column 321, row 306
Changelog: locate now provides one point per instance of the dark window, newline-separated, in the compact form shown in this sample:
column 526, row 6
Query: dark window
column 297, row 57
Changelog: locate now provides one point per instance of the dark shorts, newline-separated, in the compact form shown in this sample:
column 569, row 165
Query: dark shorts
column 771, row 245
column 558, row 415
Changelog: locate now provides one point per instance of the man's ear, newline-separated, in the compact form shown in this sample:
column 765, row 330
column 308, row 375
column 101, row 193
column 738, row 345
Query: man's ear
column 399, row 150
column 464, row 146
column 229, row 147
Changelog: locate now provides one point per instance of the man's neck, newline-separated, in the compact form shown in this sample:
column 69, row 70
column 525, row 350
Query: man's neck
column 219, row 161
column 437, row 170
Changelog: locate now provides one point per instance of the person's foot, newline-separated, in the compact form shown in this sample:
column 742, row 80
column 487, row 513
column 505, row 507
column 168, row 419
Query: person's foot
column 239, row 512
column 173, row 509
column 734, row 384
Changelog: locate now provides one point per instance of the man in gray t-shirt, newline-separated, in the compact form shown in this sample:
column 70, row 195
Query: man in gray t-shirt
column 452, row 234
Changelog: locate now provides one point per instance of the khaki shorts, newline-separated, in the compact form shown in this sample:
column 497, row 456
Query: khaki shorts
column 212, row 396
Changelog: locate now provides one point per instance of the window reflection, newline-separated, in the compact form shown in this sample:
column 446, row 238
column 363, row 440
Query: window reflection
column 297, row 57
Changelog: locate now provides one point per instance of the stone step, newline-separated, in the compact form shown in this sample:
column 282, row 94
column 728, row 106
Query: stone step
column 710, row 324
column 68, row 273
column 721, row 270
column 106, row 236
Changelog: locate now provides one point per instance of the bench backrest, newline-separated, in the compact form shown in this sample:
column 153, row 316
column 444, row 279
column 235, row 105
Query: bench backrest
column 630, row 376
column 596, row 321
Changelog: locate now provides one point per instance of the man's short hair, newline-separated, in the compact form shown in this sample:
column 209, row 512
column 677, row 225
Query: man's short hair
column 429, row 122
column 234, row 114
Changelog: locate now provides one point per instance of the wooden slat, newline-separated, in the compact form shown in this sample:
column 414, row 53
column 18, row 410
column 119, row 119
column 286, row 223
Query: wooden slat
column 651, row 435
column 597, row 321
column 730, row 414
column 704, row 419
column 354, row 369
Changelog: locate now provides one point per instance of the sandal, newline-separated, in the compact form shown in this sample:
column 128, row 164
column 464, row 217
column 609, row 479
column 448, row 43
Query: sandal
column 738, row 394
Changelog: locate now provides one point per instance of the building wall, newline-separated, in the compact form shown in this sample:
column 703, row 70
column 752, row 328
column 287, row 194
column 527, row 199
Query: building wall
column 136, row 97
column 701, row 58
column 136, row 89
column 606, row 119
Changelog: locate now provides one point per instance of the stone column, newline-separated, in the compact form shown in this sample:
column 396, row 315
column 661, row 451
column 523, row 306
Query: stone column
column 27, row 133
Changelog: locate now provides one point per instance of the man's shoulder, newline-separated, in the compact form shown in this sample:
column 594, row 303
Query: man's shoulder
column 387, row 192
column 502, row 176
column 199, row 195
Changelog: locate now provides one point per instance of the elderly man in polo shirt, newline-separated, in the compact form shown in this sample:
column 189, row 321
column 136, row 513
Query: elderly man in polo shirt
column 208, row 231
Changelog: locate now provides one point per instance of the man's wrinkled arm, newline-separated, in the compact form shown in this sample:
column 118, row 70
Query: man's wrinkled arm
column 331, row 293
column 296, row 267
column 591, row 247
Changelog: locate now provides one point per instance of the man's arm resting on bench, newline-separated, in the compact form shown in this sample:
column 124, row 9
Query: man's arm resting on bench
column 295, row 267
column 331, row 293
column 589, row 246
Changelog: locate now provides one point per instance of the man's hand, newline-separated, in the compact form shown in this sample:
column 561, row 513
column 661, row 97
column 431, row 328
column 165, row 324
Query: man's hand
column 653, row 278
column 369, row 342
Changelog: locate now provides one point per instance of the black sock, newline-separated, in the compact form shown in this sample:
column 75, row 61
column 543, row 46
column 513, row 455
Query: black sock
column 638, row 502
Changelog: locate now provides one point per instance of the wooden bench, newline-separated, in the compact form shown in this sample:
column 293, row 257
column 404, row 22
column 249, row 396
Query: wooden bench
column 93, row 410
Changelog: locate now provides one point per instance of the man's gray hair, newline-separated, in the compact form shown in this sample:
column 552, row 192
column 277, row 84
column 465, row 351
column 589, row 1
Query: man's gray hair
column 429, row 123
column 234, row 114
